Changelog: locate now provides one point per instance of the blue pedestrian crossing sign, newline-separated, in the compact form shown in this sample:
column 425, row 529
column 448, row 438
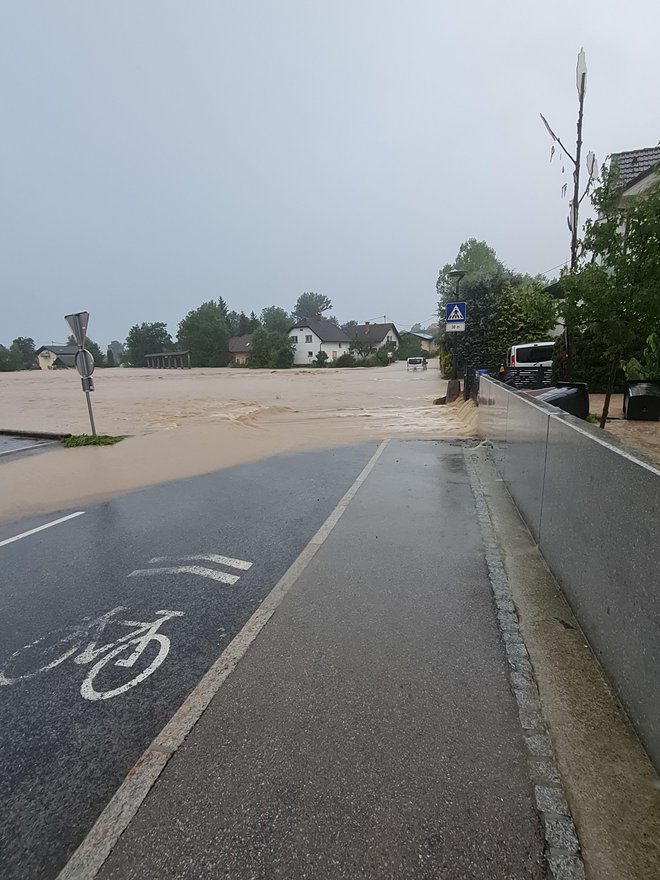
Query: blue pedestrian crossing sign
column 455, row 313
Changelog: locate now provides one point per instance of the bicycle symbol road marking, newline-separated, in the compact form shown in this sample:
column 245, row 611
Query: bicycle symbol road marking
column 131, row 646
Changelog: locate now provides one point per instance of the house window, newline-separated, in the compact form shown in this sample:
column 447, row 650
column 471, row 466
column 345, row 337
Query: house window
column 310, row 354
column 340, row 344
column 294, row 339
column 308, row 338
column 334, row 355
column 389, row 338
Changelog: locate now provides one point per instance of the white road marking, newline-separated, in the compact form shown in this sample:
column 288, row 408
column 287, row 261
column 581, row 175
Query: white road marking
column 88, row 859
column 55, row 522
column 188, row 569
column 22, row 448
column 208, row 557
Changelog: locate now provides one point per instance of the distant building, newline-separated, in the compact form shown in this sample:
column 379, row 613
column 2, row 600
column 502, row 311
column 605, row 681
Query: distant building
column 313, row 335
column 56, row 357
column 378, row 335
column 425, row 340
column 239, row 347
column 638, row 170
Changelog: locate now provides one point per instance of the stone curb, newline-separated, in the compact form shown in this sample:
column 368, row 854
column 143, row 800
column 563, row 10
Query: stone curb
column 562, row 848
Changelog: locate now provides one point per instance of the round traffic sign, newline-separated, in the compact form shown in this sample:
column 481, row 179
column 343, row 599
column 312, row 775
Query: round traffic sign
column 84, row 363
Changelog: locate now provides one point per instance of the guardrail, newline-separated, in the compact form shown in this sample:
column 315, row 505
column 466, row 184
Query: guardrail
column 594, row 509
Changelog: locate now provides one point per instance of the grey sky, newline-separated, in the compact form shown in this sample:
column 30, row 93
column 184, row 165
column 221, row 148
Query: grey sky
column 158, row 154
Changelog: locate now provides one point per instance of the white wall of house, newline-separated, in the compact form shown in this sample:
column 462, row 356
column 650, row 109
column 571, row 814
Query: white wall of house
column 307, row 345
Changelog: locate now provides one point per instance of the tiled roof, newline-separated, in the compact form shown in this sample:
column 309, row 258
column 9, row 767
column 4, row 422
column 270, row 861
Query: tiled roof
column 374, row 333
column 636, row 163
column 324, row 329
column 58, row 349
column 239, row 344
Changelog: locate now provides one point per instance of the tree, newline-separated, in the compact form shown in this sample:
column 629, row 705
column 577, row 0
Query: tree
column 146, row 339
column 416, row 328
column 276, row 318
column 110, row 358
column 224, row 309
column 349, row 327
column 203, row 332
column 309, row 305
column 270, row 349
column 504, row 307
column 410, row 347
column 523, row 313
column 361, row 347
column 8, row 360
column 320, row 359
column 253, row 323
column 476, row 258
column 22, row 349
column 614, row 292
column 92, row 348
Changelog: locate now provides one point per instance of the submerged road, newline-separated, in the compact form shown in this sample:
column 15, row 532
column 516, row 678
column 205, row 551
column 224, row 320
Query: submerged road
column 192, row 559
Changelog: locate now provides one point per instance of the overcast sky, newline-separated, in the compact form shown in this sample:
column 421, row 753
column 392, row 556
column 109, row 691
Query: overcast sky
column 157, row 154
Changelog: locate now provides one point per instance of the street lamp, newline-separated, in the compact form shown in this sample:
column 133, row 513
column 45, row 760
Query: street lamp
column 455, row 275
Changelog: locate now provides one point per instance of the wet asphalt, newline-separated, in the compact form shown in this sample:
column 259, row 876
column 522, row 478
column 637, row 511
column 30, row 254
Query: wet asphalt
column 370, row 730
column 62, row 756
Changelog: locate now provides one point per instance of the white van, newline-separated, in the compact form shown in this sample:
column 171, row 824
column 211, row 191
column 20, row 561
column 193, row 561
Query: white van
column 531, row 354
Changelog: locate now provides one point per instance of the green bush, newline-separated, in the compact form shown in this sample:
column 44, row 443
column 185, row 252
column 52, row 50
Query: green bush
column 344, row 360
column 590, row 362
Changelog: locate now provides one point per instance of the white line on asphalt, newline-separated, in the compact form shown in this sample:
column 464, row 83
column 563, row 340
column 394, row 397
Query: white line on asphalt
column 199, row 570
column 88, row 859
column 55, row 522
column 22, row 449
column 208, row 557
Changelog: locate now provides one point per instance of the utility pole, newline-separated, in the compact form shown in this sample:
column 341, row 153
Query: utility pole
column 576, row 201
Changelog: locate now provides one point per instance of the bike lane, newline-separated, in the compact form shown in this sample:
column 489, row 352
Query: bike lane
column 209, row 548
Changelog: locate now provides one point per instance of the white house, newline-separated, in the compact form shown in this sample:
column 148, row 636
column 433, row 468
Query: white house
column 313, row 335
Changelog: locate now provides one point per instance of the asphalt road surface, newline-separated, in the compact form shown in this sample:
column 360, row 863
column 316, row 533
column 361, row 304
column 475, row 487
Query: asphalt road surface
column 70, row 733
column 13, row 446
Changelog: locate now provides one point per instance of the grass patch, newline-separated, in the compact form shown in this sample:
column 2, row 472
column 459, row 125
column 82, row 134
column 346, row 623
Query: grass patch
column 594, row 420
column 88, row 440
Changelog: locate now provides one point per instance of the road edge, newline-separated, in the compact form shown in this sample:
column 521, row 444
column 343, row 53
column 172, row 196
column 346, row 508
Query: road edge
column 562, row 847
column 89, row 857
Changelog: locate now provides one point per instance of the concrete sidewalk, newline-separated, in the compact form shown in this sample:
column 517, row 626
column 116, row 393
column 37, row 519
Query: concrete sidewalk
column 371, row 729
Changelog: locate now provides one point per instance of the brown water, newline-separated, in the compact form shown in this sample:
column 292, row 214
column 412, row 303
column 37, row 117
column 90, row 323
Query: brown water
column 191, row 422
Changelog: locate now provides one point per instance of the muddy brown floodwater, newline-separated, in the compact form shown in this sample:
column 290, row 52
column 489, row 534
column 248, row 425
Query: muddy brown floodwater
column 187, row 422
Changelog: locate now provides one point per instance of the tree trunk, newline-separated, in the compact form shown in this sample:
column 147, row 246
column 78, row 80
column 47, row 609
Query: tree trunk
column 608, row 393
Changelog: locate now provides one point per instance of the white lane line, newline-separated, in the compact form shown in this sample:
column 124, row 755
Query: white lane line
column 23, row 448
column 207, row 557
column 199, row 570
column 49, row 525
column 88, row 859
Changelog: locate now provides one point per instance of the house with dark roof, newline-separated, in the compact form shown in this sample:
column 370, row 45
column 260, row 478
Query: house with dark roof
column 638, row 169
column 377, row 335
column 56, row 357
column 239, row 347
column 313, row 335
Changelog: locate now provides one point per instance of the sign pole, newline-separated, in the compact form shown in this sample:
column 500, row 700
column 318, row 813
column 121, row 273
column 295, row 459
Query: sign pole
column 83, row 360
column 89, row 409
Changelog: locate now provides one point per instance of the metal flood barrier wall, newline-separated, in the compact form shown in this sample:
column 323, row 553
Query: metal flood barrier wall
column 594, row 510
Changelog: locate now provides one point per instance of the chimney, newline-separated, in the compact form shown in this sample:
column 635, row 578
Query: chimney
column 366, row 328
column 318, row 317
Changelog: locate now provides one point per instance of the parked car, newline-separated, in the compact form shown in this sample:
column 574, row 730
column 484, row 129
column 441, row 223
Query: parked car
column 531, row 354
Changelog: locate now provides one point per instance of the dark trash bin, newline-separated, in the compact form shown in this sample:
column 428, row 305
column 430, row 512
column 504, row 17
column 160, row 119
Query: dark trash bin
column 641, row 400
column 572, row 397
